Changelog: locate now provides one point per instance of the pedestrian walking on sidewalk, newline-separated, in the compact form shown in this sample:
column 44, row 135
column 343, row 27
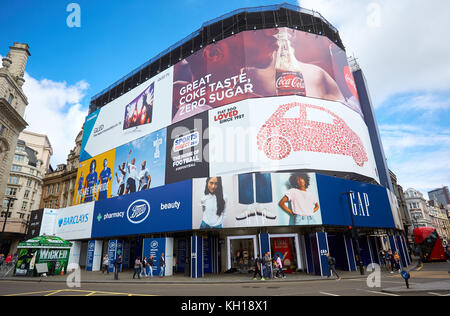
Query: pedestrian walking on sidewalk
column 150, row 265
column 280, row 267
column 267, row 266
column 332, row 264
column 397, row 262
column 137, row 267
column 117, row 266
column 390, row 261
column 105, row 264
column 162, row 265
column 258, row 269
column 144, row 267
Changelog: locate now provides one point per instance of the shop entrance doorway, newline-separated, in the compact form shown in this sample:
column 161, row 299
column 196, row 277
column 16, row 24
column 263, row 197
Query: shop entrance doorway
column 242, row 251
column 287, row 247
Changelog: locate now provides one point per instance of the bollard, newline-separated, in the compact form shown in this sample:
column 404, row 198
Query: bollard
column 406, row 276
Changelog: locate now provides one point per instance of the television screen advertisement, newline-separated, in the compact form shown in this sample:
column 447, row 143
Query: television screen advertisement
column 256, row 199
column 341, row 199
column 262, row 63
column 133, row 115
column 162, row 209
column 94, row 178
column 187, row 149
column 75, row 223
column 48, row 224
column 289, row 133
column 140, row 164
column 34, row 225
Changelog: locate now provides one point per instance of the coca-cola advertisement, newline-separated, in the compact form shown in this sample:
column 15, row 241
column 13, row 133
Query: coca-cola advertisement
column 262, row 63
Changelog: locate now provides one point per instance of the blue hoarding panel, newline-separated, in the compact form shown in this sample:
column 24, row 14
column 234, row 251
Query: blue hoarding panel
column 154, row 247
column 162, row 209
column 368, row 203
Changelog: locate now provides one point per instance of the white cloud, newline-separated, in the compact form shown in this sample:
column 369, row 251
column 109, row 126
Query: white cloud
column 406, row 52
column 55, row 110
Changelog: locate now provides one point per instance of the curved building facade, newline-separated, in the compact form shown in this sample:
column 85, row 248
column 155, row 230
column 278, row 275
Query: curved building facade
column 250, row 142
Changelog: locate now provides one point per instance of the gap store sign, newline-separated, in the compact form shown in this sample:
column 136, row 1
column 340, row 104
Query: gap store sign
column 162, row 209
column 341, row 199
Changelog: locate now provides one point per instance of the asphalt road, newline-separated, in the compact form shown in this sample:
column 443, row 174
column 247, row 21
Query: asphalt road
column 346, row 287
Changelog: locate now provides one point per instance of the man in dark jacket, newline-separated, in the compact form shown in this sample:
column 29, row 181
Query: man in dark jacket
column 332, row 264
column 117, row 265
column 258, row 268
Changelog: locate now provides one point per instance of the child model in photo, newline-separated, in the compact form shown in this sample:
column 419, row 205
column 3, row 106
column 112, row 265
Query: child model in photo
column 303, row 203
column 213, row 204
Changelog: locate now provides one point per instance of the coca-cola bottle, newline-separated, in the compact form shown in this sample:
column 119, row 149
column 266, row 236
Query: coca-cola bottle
column 288, row 79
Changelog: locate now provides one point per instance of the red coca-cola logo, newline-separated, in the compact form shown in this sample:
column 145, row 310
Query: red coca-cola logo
column 289, row 81
column 350, row 81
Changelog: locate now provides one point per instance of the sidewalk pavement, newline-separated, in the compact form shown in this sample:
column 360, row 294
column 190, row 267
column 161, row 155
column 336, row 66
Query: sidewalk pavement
column 439, row 286
column 180, row 278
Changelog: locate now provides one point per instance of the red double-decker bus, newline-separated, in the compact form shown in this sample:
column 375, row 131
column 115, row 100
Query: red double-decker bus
column 430, row 244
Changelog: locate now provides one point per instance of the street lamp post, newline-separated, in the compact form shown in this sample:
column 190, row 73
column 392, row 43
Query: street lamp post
column 355, row 236
column 7, row 212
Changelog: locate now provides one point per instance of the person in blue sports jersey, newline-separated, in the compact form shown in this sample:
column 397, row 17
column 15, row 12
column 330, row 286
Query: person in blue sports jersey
column 105, row 177
column 90, row 183
column 80, row 189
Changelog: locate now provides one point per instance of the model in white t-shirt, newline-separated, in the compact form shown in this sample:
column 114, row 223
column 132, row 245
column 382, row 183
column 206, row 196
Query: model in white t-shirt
column 144, row 177
column 303, row 203
column 213, row 204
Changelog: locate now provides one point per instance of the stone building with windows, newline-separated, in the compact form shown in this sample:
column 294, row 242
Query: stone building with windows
column 418, row 208
column 59, row 184
column 24, row 185
column 12, row 107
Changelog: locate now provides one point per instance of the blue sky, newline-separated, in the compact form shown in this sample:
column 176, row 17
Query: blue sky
column 406, row 64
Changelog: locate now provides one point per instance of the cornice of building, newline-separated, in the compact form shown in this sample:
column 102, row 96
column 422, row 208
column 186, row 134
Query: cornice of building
column 12, row 115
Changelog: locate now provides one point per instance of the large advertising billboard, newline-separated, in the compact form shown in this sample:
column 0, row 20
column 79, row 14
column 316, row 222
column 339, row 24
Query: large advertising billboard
column 136, row 166
column 289, row 133
column 254, row 200
column 262, row 63
column 94, row 178
column 162, row 209
column 140, row 164
column 187, row 149
column 142, row 110
column 250, row 64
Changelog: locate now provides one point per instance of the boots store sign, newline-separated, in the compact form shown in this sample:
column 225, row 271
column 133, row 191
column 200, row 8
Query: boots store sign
column 163, row 209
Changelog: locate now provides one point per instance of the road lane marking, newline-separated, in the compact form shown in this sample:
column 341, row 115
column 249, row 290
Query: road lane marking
column 383, row 293
column 329, row 294
column 437, row 294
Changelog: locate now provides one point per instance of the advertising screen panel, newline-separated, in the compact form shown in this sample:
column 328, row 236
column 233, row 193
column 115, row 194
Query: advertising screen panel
column 140, row 164
column 262, row 63
column 187, row 149
column 289, row 133
column 252, row 200
column 142, row 110
column 94, row 178
column 162, row 209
